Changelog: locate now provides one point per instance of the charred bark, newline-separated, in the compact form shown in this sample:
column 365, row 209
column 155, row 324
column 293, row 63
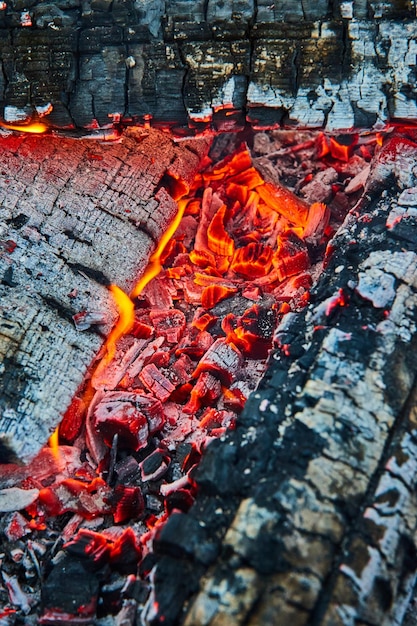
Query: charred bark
column 330, row 64
column 306, row 513
column 75, row 217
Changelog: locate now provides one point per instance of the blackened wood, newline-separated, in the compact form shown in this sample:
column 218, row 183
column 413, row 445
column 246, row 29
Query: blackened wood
column 75, row 216
column 306, row 513
column 330, row 64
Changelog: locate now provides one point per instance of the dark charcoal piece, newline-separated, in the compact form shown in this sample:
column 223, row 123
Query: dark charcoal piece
column 70, row 588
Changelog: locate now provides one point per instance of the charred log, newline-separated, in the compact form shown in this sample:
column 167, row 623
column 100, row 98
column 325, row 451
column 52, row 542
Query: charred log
column 306, row 513
column 330, row 64
column 75, row 216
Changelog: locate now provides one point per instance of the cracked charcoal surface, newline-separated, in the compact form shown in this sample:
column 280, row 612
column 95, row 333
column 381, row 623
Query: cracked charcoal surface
column 311, row 503
column 326, row 64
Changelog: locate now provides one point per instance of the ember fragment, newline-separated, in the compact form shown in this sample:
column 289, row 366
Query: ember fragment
column 87, row 499
column 203, row 320
column 128, row 503
column 219, row 241
column 16, row 526
column 156, row 382
column 284, row 202
column 85, row 319
column 125, row 420
column 317, row 221
column 216, row 293
column 194, row 343
column 73, row 420
column 125, row 552
column 206, row 391
column 131, row 415
column 169, row 324
column 155, row 465
column 223, row 360
column 252, row 261
column 292, row 256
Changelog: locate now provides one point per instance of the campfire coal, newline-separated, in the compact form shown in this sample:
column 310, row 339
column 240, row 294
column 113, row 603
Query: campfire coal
column 118, row 523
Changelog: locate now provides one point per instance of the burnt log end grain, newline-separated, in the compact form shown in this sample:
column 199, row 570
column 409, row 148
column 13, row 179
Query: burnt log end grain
column 75, row 217
column 322, row 64
column 312, row 499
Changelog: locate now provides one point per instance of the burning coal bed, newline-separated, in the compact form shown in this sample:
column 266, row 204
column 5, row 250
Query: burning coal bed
column 78, row 524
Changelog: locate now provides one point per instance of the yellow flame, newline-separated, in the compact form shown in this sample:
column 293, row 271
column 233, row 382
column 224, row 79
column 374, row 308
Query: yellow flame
column 36, row 127
column 53, row 443
column 125, row 309
column 154, row 265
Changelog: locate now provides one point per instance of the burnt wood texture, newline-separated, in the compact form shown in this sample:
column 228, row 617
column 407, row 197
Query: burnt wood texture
column 306, row 513
column 334, row 64
column 75, row 217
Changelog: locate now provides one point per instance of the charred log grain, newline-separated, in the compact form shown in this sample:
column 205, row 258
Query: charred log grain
column 307, row 512
column 75, row 216
column 315, row 64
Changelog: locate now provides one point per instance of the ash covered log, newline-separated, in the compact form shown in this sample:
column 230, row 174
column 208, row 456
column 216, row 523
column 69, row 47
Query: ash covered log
column 333, row 64
column 306, row 513
column 75, row 217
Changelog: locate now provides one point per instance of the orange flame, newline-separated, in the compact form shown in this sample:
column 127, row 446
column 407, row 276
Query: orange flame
column 53, row 443
column 35, row 128
column 126, row 320
column 155, row 265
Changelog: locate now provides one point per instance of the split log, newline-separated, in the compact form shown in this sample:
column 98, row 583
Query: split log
column 315, row 64
column 75, row 217
column 307, row 512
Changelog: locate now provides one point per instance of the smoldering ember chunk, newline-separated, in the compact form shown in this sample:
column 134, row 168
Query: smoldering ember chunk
column 223, row 360
column 87, row 499
column 156, row 382
column 206, row 390
column 96, row 550
column 203, row 320
column 218, row 239
column 183, row 368
column 253, row 331
column 155, row 465
column 127, row 503
column 195, row 343
column 213, row 294
column 15, row 526
column 317, row 221
column 284, row 202
column 132, row 416
column 180, row 500
column 252, row 261
column 142, row 359
column 169, row 323
column 292, row 255
column 126, row 421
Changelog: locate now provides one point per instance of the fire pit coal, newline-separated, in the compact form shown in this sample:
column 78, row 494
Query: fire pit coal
column 124, row 504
